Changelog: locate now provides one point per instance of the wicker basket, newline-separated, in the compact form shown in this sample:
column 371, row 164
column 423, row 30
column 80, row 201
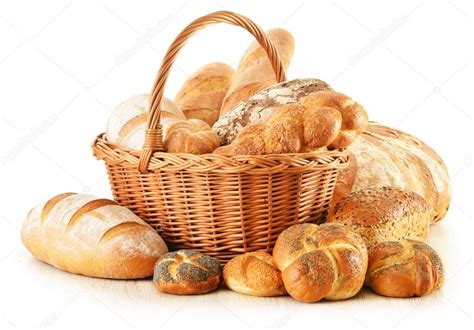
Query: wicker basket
column 220, row 205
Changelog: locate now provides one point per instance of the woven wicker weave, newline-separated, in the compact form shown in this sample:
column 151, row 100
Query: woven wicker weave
column 217, row 204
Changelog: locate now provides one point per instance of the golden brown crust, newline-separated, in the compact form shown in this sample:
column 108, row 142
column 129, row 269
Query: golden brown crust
column 255, row 274
column 344, row 183
column 405, row 268
column 187, row 272
column 202, row 93
column 389, row 157
column 291, row 128
column 354, row 117
column 255, row 72
column 191, row 136
column 384, row 214
column 86, row 235
column 321, row 262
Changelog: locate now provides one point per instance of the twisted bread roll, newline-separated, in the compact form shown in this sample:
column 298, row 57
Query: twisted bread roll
column 354, row 117
column 291, row 129
column 327, row 261
column 404, row 269
column 255, row 274
column 187, row 272
column 202, row 94
column 191, row 136
column 92, row 236
column 384, row 214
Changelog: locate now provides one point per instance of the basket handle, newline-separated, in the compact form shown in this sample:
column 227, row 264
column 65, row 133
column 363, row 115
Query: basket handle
column 153, row 137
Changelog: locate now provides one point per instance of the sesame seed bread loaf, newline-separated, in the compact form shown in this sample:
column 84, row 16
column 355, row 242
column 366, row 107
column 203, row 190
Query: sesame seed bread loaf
column 384, row 214
column 92, row 236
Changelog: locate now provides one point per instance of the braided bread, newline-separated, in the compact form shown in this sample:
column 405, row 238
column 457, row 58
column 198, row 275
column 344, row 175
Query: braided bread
column 327, row 261
column 404, row 269
column 187, row 272
column 291, row 129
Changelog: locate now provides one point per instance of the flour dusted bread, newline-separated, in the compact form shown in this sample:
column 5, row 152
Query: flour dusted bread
column 390, row 157
column 254, row 273
column 384, row 214
column 259, row 107
column 255, row 72
column 128, row 121
column 91, row 236
column 405, row 268
column 202, row 94
column 328, row 261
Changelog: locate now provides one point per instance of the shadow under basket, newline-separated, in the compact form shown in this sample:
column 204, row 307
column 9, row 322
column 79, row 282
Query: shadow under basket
column 220, row 205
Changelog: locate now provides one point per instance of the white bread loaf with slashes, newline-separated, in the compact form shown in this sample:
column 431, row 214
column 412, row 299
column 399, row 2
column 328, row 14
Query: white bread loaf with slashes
column 86, row 235
column 128, row 122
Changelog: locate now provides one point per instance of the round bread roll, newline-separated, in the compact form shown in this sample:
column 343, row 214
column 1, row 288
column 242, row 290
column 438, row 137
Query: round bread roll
column 354, row 116
column 327, row 261
column 384, row 214
column 128, row 121
column 186, row 272
column 192, row 136
column 404, row 269
column 255, row 274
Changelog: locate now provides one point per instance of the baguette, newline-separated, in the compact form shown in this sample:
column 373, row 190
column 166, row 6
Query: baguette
column 255, row 72
column 202, row 94
column 86, row 235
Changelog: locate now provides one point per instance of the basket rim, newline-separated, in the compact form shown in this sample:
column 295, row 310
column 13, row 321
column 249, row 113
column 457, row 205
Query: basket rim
column 113, row 154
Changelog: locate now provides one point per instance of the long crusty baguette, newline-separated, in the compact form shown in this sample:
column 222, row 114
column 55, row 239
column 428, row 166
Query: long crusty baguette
column 255, row 72
column 202, row 94
column 91, row 236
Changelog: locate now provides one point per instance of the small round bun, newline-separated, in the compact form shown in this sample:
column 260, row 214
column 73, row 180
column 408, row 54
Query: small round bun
column 404, row 269
column 255, row 274
column 186, row 272
column 321, row 262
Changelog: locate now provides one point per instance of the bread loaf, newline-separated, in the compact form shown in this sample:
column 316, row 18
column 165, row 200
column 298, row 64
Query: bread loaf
column 258, row 108
column 389, row 157
column 202, row 94
column 354, row 117
column 404, row 269
column 255, row 274
column 327, row 261
column 255, row 72
column 91, row 236
column 191, row 136
column 128, row 121
column 291, row 129
column 187, row 272
column 384, row 214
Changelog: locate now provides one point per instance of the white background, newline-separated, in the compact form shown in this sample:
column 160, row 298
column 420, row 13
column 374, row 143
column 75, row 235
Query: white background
column 65, row 65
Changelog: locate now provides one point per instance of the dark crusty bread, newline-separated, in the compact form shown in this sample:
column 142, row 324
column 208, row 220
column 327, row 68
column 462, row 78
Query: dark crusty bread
column 187, row 272
column 404, row 269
